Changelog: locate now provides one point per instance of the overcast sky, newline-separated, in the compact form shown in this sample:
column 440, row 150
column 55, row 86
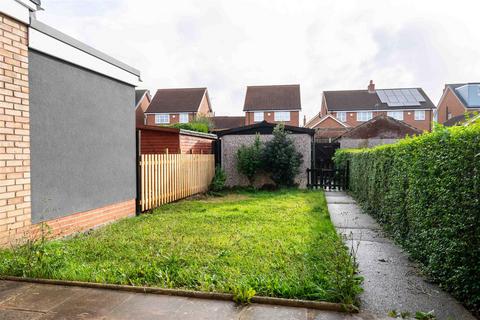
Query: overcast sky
column 226, row 45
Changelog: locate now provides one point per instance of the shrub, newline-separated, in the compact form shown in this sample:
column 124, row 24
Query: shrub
column 425, row 192
column 249, row 160
column 218, row 181
column 200, row 124
column 280, row 158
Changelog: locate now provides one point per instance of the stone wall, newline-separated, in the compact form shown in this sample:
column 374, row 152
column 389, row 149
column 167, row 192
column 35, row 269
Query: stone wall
column 231, row 143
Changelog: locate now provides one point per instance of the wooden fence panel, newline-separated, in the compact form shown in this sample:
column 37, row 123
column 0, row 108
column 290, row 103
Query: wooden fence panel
column 169, row 177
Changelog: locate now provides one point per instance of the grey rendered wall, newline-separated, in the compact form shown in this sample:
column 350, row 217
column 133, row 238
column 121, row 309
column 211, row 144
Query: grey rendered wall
column 231, row 143
column 82, row 139
column 346, row 143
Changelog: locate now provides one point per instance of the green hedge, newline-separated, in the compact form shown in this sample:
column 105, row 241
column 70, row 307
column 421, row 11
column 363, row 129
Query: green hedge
column 425, row 191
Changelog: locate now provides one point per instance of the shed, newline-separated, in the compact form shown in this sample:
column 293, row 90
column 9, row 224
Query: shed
column 232, row 139
column 377, row 131
column 156, row 140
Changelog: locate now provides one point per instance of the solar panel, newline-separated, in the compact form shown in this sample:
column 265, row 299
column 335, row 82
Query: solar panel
column 400, row 97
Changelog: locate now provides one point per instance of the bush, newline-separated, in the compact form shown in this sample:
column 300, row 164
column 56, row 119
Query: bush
column 280, row 158
column 425, row 192
column 200, row 124
column 218, row 181
column 249, row 160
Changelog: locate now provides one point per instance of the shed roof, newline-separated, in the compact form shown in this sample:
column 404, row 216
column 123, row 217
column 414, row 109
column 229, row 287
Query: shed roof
column 273, row 97
column 264, row 127
column 177, row 100
column 383, row 127
column 178, row 131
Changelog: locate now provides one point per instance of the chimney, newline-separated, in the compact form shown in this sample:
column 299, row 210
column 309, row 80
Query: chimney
column 304, row 120
column 371, row 87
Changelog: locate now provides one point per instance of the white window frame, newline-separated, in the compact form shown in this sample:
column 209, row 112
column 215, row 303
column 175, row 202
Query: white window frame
column 342, row 116
column 183, row 117
column 398, row 115
column 363, row 116
column 162, row 118
column 419, row 115
column 282, row 116
column 258, row 116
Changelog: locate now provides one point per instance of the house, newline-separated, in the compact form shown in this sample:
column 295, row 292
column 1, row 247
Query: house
column 158, row 139
column 227, row 122
column 232, row 139
column 142, row 101
column 170, row 106
column 67, row 130
column 377, row 131
column 274, row 104
column 457, row 100
column 354, row 107
column 327, row 128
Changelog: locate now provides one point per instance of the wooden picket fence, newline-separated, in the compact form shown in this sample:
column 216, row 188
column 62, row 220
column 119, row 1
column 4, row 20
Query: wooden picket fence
column 168, row 177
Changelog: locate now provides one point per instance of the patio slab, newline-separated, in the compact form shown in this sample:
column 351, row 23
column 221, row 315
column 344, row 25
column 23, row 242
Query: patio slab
column 391, row 281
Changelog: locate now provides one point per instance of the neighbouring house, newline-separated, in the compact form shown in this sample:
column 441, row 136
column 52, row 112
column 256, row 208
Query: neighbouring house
column 142, row 101
column 354, row 107
column 274, row 104
column 67, row 130
column 377, row 131
column 327, row 128
column 227, row 122
column 157, row 140
column 457, row 100
column 170, row 106
column 232, row 139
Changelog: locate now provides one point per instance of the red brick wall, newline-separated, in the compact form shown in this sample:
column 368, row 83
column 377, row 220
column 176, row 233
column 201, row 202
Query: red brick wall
column 174, row 118
column 450, row 104
column 408, row 117
column 154, row 142
column 15, row 206
column 269, row 116
column 190, row 144
column 139, row 112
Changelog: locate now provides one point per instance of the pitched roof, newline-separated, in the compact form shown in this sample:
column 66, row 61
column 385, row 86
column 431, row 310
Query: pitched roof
column 264, row 127
column 227, row 122
column 458, row 120
column 455, row 86
column 354, row 100
column 276, row 97
column 139, row 94
column 383, row 127
column 177, row 100
column 317, row 120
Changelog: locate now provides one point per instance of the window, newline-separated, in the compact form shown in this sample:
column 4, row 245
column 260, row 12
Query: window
column 282, row 116
column 395, row 114
column 364, row 116
column 162, row 118
column 258, row 116
column 342, row 116
column 420, row 115
column 183, row 118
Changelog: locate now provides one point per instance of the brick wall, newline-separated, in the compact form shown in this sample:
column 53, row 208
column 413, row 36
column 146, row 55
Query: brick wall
column 449, row 104
column 15, row 206
column 408, row 117
column 269, row 116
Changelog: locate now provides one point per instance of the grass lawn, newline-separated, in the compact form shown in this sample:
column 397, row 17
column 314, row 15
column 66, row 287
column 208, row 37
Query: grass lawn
column 279, row 244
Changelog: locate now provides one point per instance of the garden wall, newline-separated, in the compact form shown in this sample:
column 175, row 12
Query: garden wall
column 232, row 142
column 425, row 192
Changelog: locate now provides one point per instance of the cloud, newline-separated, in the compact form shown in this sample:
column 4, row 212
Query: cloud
column 323, row 45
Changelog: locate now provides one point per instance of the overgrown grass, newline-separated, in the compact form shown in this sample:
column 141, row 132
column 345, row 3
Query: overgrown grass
column 279, row 244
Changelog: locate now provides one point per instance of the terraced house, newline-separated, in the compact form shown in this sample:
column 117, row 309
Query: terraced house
column 62, row 159
column 350, row 108
column 180, row 105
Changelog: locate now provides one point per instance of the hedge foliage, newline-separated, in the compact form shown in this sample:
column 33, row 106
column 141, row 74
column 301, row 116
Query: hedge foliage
column 425, row 191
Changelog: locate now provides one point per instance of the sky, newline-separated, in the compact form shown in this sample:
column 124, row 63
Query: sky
column 225, row 45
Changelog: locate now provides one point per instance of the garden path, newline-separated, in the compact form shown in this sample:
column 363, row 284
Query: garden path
column 391, row 281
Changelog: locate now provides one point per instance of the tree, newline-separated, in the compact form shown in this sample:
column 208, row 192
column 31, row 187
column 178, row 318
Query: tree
column 249, row 160
column 280, row 158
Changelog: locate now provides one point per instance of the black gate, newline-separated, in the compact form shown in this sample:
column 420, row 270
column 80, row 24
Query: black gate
column 329, row 179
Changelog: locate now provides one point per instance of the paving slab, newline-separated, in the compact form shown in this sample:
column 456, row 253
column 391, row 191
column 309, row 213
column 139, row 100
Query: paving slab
column 391, row 280
column 54, row 302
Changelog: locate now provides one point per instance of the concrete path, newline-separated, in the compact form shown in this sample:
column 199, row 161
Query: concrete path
column 391, row 282
column 21, row 301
